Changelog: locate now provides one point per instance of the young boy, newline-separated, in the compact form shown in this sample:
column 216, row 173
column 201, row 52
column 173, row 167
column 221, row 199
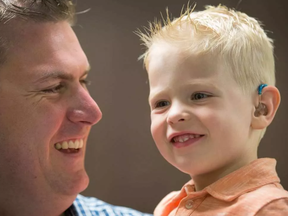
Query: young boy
column 212, row 95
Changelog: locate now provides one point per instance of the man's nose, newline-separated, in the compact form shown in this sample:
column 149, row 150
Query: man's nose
column 84, row 109
column 178, row 112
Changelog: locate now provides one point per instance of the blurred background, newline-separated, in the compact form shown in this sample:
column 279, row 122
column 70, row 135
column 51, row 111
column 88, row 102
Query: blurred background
column 124, row 165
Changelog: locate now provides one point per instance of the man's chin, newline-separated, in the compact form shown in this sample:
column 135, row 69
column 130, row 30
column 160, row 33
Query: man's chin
column 79, row 184
column 72, row 185
column 84, row 185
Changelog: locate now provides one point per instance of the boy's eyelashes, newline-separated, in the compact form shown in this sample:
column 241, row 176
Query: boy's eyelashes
column 200, row 95
column 194, row 97
column 161, row 104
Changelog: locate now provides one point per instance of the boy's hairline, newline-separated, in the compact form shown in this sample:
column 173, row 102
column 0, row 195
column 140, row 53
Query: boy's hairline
column 149, row 37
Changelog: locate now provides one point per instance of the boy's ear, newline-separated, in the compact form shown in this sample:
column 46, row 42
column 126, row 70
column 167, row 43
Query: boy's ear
column 266, row 107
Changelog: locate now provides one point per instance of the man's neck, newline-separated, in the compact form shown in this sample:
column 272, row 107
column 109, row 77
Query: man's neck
column 27, row 206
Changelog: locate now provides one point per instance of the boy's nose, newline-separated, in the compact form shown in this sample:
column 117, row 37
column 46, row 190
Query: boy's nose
column 177, row 114
column 84, row 109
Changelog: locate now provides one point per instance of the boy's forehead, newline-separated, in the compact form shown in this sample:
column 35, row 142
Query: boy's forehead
column 163, row 52
column 168, row 63
column 164, row 48
column 166, row 57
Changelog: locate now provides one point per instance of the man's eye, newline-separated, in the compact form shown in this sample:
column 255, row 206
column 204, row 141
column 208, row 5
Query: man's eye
column 54, row 90
column 199, row 96
column 85, row 82
column 162, row 104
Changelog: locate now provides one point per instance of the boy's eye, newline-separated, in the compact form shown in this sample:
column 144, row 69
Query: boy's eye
column 199, row 96
column 162, row 104
column 54, row 90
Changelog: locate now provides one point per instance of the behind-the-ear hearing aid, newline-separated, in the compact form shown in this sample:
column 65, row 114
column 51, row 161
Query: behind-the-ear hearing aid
column 261, row 109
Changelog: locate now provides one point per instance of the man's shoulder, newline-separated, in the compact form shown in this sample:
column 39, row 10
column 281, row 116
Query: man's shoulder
column 92, row 206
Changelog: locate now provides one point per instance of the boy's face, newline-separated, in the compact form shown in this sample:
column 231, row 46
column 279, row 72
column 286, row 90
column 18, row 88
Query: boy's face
column 200, row 118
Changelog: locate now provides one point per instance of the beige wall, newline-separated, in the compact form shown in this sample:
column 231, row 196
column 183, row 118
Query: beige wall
column 125, row 167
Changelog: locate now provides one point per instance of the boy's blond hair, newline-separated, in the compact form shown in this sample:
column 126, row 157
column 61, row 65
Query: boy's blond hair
column 235, row 39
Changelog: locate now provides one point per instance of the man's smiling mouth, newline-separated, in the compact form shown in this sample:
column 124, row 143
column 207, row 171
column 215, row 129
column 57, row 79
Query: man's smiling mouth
column 69, row 146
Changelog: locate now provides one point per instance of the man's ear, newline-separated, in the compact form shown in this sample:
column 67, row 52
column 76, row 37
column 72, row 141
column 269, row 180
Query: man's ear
column 265, row 110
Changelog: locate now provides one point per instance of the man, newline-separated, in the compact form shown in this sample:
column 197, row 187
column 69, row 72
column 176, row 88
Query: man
column 46, row 113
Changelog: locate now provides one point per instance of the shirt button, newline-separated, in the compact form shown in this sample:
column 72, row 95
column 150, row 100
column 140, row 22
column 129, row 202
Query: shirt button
column 189, row 204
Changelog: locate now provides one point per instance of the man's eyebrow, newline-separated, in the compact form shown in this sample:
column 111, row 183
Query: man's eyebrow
column 58, row 75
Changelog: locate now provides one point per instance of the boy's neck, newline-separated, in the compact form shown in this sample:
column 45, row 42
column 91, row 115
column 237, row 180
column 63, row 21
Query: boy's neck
column 204, row 180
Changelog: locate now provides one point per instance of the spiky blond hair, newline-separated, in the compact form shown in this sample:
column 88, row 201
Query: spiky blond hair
column 234, row 38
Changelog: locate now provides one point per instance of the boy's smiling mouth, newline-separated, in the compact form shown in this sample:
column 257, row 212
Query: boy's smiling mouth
column 184, row 139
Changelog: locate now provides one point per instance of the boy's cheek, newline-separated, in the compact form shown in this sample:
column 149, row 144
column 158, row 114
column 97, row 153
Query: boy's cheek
column 214, row 117
column 157, row 129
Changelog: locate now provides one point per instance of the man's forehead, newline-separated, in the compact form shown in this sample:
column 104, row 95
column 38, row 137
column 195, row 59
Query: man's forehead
column 47, row 48
column 17, row 29
column 31, row 37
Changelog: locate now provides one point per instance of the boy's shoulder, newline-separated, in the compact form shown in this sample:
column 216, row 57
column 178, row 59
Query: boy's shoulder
column 269, row 191
column 270, row 199
column 265, row 200
column 246, row 191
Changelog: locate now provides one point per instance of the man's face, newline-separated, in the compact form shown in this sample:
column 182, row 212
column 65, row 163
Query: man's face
column 44, row 103
column 200, row 118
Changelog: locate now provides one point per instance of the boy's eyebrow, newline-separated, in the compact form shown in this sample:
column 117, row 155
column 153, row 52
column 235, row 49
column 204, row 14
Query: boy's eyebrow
column 58, row 75
column 194, row 84
column 201, row 83
column 155, row 93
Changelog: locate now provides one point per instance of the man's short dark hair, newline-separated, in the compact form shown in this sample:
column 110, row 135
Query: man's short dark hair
column 33, row 10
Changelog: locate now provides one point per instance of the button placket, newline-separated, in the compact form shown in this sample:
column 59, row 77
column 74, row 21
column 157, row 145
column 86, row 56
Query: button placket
column 189, row 204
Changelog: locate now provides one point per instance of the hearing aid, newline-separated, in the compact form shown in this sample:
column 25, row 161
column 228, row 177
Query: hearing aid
column 261, row 109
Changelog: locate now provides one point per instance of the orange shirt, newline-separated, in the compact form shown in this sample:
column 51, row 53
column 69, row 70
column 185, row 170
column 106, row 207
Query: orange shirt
column 254, row 189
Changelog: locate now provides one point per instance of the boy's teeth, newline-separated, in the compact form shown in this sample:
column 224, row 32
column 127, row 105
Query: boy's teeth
column 184, row 138
column 71, row 144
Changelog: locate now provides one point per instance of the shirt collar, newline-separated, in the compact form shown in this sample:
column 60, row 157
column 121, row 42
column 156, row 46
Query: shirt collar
column 254, row 175
column 71, row 211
